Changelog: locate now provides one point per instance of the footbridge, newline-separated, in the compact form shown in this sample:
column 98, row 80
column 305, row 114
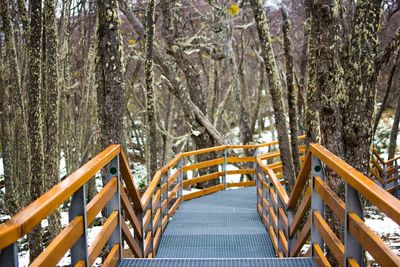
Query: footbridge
column 254, row 222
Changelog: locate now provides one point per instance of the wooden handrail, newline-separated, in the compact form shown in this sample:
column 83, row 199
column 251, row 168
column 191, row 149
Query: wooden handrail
column 25, row 220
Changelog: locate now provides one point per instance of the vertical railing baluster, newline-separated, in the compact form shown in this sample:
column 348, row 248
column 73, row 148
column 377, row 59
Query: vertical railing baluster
column 164, row 195
column 385, row 176
column 396, row 179
column 150, row 228
column 224, row 168
column 280, row 223
column 317, row 203
column 9, row 255
column 114, row 204
column 79, row 251
column 180, row 179
column 352, row 248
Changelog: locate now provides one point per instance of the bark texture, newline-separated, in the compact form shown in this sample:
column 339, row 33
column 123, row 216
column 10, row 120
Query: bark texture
column 291, row 90
column 109, row 74
column 394, row 132
column 150, row 101
column 35, row 124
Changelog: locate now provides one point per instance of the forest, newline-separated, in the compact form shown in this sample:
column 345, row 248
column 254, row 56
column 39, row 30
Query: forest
column 166, row 77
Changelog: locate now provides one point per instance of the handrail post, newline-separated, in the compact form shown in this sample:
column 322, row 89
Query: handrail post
column 79, row 251
column 280, row 223
column 396, row 179
column 114, row 204
column 164, row 195
column 224, row 168
column 385, row 176
column 352, row 248
column 9, row 255
column 180, row 180
column 317, row 203
column 150, row 229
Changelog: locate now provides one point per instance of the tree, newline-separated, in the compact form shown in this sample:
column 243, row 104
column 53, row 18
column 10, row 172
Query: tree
column 271, row 70
column 150, row 103
column 35, row 124
column 109, row 74
column 51, row 116
column 291, row 90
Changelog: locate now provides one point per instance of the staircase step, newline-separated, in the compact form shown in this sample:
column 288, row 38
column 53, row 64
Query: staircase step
column 266, row 262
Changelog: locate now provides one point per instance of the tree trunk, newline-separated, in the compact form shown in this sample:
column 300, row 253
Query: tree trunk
column 361, row 85
column 109, row 74
column 291, row 91
column 35, row 124
column 275, row 90
column 51, row 119
column 312, row 126
column 394, row 132
column 385, row 98
column 150, row 103
column 21, row 166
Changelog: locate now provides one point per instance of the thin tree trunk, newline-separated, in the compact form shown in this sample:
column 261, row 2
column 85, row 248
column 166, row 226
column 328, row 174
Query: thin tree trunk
column 291, row 90
column 385, row 98
column 275, row 90
column 394, row 132
column 35, row 124
column 150, row 101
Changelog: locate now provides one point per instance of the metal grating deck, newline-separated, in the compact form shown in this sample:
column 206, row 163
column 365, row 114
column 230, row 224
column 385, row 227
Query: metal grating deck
column 221, row 225
column 271, row 262
column 222, row 229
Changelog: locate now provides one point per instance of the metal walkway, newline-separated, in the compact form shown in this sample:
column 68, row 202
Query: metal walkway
column 221, row 229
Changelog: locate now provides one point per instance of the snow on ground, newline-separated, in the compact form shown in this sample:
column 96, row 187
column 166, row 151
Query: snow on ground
column 1, row 167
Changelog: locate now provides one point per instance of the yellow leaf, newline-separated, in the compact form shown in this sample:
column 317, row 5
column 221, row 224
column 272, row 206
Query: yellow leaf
column 234, row 9
column 132, row 42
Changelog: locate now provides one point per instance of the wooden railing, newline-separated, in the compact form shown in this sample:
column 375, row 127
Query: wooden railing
column 386, row 172
column 294, row 220
column 119, row 189
column 148, row 215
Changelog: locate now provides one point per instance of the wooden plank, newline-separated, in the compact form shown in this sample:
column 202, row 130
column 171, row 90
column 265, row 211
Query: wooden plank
column 203, row 164
column 147, row 243
column 365, row 186
column 156, row 217
column 173, row 177
column 284, row 242
column 301, row 180
column 156, row 199
column 203, row 192
column 335, row 246
column 319, row 257
column 274, row 180
column 102, row 237
column 39, row 209
column 101, row 199
column 112, row 257
column 240, row 159
column 371, row 242
column 130, row 214
column 164, row 222
column 130, row 240
column 164, row 187
column 301, row 239
column 241, row 184
column 173, row 192
column 273, row 219
column 174, row 161
column 80, row 263
column 265, row 221
column 352, row 263
column 301, row 211
column 56, row 250
column 283, row 218
column 174, row 207
column 146, row 219
column 274, row 239
column 129, row 182
column 203, row 151
column 203, row 178
column 335, row 204
column 241, row 171
column 151, row 188
column 157, row 239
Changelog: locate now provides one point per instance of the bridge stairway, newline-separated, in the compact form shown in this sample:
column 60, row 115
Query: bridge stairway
column 222, row 229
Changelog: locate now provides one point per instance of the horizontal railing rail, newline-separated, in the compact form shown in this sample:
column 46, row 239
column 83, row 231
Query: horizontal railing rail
column 294, row 220
column 386, row 172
